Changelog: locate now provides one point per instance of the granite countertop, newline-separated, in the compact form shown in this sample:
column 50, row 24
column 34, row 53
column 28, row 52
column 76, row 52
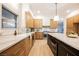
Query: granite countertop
column 10, row 40
column 73, row 42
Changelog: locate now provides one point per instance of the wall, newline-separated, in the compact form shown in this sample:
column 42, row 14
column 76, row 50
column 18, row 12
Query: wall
column 24, row 8
column 73, row 13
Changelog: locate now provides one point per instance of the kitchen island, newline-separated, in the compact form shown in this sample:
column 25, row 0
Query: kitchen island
column 61, row 44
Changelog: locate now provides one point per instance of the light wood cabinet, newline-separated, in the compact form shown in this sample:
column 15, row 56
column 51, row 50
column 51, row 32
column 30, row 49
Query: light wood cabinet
column 37, row 23
column 38, row 35
column 70, row 22
column 76, row 19
column 29, row 20
column 70, row 25
column 29, row 23
column 53, row 24
column 22, row 48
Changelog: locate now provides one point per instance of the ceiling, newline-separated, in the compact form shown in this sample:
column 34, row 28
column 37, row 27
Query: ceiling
column 49, row 9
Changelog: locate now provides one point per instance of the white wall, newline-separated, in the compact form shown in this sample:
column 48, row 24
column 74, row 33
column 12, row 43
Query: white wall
column 22, row 21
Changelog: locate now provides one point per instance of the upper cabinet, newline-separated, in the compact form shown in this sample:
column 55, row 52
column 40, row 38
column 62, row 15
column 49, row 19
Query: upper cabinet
column 32, row 23
column 37, row 23
column 70, row 22
column 53, row 24
column 29, row 23
column 70, row 25
column 28, row 15
column 76, row 19
column 29, row 20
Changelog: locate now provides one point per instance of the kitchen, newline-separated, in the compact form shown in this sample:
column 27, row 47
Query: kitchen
column 39, row 29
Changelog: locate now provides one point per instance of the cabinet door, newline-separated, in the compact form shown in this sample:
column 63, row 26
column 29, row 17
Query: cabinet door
column 70, row 25
column 70, row 22
column 29, row 20
column 22, row 48
column 13, row 51
column 37, row 23
column 61, row 51
column 38, row 35
column 64, row 50
column 76, row 19
column 29, row 23
column 53, row 24
column 53, row 46
column 27, row 45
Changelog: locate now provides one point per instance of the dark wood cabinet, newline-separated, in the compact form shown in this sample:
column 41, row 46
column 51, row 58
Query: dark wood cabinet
column 60, row 48
column 63, row 51
column 53, row 45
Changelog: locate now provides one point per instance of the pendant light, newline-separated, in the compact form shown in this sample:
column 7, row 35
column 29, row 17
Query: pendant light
column 56, row 18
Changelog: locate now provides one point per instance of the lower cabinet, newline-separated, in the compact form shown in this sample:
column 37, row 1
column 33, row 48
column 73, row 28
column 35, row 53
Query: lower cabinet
column 63, row 52
column 52, row 45
column 66, row 50
column 59, row 48
column 22, row 48
column 38, row 35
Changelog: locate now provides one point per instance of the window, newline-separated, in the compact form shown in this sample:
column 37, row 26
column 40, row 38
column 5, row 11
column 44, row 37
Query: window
column 8, row 19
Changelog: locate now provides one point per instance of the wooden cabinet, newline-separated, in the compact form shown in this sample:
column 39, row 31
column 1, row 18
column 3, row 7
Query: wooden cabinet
column 64, row 51
column 70, row 25
column 61, row 51
column 37, row 23
column 76, row 19
column 70, row 22
column 22, row 48
column 29, row 20
column 53, row 24
column 38, row 35
column 29, row 23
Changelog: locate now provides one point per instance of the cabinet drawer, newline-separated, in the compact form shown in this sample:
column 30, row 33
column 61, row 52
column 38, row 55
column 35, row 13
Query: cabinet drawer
column 53, row 47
